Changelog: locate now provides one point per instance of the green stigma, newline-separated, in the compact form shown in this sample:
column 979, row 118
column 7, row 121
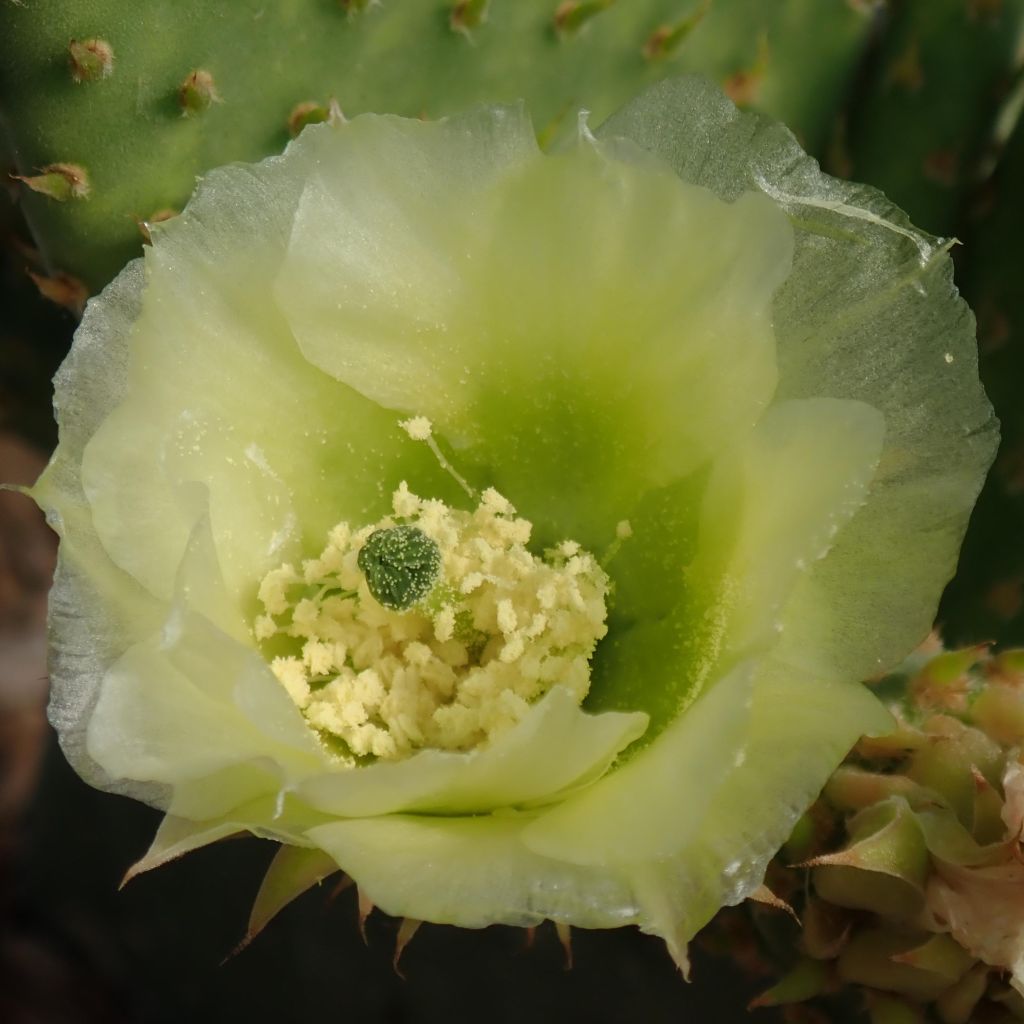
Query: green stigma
column 401, row 565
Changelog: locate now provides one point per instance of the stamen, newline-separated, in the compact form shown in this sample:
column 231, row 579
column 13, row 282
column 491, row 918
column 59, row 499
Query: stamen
column 419, row 428
column 623, row 531
column 432, row 628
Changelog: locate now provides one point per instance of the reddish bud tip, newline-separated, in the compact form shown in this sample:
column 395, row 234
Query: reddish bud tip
column 197, row 93
column 467, row 15
column 147, row 224
column 366, row 906
column 59, row 181
column 572, row 15
column 308, row 112
column 564, row 933
column 69, row 292
column 665, row 40
column 90, row 59
column 406, row 930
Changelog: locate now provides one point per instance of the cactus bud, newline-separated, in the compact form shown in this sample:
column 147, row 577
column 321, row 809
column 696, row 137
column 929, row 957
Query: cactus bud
column 924, row 903
column 903, row 962
column 826, row 929
column 883, row 1009
column 885, row 867
column 956, row 1005
column 807, row 979
column 999, row 710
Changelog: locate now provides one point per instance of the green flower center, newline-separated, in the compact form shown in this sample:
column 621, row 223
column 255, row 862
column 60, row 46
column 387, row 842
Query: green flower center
column 432, row 628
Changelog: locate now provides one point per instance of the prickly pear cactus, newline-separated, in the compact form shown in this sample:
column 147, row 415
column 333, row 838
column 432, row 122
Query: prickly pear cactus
column 114, row 109
column 920, row 130
column 987, row 599
column 910, row 889
column 909, row 876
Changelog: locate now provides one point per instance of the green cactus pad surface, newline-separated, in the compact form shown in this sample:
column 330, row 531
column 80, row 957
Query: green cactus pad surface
column 239, row 71
column 922, row 128
column 987, row 600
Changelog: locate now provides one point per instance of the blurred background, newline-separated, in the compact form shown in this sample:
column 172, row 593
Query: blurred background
column 919, row 97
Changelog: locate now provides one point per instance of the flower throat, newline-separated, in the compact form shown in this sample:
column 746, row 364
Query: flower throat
column 432, row 628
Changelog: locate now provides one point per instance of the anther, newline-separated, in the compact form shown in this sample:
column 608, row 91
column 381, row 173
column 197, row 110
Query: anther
column 419, row 428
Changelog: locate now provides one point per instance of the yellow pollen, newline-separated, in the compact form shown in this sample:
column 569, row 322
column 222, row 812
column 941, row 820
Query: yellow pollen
column 500, row 627
column 419, row 428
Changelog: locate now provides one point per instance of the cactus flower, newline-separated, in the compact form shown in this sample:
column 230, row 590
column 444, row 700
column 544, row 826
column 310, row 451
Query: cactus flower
column 509, row 531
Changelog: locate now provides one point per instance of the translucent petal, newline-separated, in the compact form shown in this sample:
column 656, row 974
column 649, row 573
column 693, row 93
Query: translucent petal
column 199, row 584
column 95, row 608
column 624, row 320
column 253, row 783
column 471, row 872
column 647, row 810
column 869, row 313
column 179, row 835
column 377, row 248
column 800, row 729
column 505, row 303
column 483, row 870
column 283, row 450
column 556, row 746
column 772, row 507
column 597, row 338
column 188, row 702
column 291, row 872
